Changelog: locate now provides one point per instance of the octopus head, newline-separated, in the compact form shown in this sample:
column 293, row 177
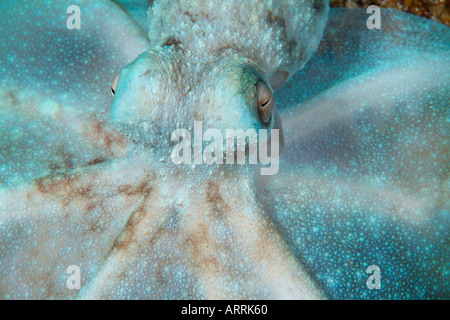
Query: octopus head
column 167, row 89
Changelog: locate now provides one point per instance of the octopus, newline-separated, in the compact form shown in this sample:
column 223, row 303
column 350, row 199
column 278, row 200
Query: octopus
column 87, row 180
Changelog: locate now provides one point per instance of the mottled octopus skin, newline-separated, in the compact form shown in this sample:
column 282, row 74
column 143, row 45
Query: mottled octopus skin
column 363, row 179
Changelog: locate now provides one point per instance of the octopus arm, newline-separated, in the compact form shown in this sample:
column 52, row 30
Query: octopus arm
column 64, row 220
column 210, row 239
column 364, row 175
column 54, row 90
column 137, row 9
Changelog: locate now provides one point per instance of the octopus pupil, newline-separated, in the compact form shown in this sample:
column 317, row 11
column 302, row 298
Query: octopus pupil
column 265, row 103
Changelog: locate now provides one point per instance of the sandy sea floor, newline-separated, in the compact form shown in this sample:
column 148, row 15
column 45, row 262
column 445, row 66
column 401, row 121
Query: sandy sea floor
column 438, row 10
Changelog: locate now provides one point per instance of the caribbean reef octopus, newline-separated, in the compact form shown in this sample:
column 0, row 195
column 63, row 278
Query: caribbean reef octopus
column 88, row 181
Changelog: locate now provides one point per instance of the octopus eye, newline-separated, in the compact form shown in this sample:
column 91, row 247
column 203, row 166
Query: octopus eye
column 114, row 85
column 265, row 102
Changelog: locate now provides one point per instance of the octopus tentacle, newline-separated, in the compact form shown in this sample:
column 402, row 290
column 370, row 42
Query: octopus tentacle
column 365, row 173
column 63, row 220
column 55, row 85
column 338, row 227
column 219, row 244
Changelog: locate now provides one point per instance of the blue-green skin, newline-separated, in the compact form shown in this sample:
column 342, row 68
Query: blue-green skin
column 362, row 181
